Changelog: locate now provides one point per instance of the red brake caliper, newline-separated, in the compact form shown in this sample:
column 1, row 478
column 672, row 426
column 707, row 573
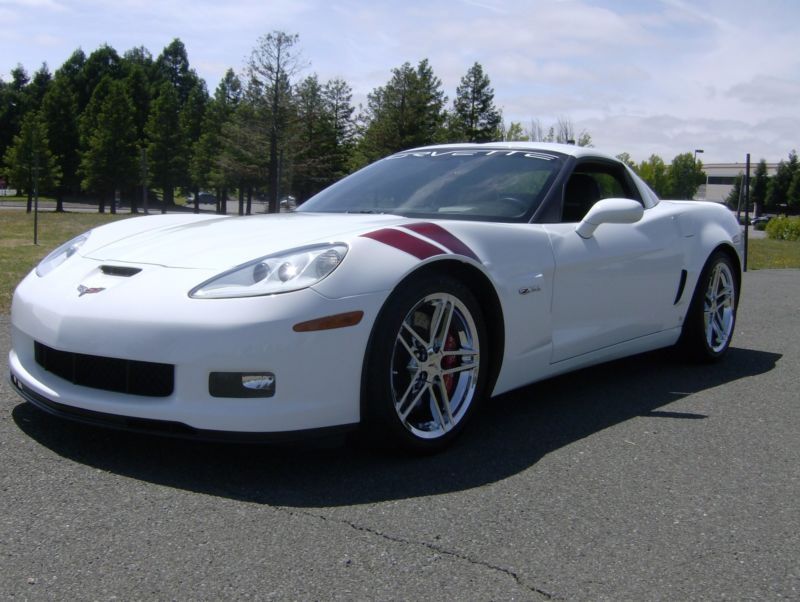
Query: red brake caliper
column 451, row 361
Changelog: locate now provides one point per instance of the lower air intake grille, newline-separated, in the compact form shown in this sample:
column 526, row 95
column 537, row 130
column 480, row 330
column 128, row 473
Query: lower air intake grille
column 110, row 374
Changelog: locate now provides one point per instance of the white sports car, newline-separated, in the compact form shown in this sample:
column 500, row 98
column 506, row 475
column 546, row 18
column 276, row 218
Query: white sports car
column 397, row 299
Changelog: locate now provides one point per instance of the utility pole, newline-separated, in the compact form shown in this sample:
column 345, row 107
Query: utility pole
column 746, row 208
column 35, row 193
column 144, row 181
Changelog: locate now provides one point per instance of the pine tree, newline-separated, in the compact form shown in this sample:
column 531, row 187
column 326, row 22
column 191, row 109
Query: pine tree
column 13, row 106
column 338, row 95
column 758, row 185
column 314, row 140
column 273, row 63
column 245, row 134
column 474, row 117
column 732, row 200
column 110, row 161
column 172, row 66
column 101, row 64
column 72, row 73
column 166, row 146
column 191, row 119
column 60, row 112
column 38, row 86
column 138, row 88
column 407, row 112
column 207, row 166
column 778, row 186
column 793, row 195
column 28, row 161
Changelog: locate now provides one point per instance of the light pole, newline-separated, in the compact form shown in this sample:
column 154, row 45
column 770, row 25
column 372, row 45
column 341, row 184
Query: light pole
column 697, row 150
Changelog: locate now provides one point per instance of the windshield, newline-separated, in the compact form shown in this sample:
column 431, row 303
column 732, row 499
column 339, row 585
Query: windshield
column 498, row 185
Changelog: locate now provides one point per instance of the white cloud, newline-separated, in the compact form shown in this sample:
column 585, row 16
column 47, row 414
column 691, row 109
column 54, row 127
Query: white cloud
column 652, row 76
column 767, row 90
column 34, row 4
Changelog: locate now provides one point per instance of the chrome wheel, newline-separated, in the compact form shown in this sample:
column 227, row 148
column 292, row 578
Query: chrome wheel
column 435, row 365
column 719, row 307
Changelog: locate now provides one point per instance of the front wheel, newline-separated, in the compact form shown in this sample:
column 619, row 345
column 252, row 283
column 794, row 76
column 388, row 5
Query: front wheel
column 708, row 329
column 426, row 366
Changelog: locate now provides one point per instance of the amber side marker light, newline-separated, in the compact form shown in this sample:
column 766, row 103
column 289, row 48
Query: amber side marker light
column 350, row 318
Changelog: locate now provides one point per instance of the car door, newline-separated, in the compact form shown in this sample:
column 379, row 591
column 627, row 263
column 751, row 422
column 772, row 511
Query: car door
column 620, row 283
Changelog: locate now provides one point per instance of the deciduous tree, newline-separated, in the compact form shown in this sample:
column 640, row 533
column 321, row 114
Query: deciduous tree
column 626, row 159
column 654, row 172
column 685, row 175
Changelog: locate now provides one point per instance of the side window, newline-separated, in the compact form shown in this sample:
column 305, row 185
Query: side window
column 591, row 182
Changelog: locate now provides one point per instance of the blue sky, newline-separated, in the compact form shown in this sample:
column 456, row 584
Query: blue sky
column 642, row 76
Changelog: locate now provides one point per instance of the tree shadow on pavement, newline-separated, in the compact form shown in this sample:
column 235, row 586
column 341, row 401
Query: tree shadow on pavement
column 510, row 434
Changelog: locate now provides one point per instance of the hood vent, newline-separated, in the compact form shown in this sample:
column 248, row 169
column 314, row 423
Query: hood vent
column 117, row 270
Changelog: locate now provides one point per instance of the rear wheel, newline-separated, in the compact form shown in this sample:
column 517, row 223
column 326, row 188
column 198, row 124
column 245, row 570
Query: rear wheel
column 708, row 329
column 426, row 371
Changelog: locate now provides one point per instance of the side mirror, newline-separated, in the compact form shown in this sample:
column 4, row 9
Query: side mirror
column 610, row 211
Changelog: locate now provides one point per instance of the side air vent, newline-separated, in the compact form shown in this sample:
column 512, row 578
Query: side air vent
column 681, row 286
column 118, row 270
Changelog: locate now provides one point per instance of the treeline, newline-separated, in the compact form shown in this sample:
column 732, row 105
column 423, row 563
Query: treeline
column 107, row 123
column 771, row 193
column 678, row 180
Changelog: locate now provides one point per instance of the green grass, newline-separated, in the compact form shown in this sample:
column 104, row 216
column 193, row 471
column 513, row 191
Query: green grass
column 765, row 253
column 44, row 201
column 18, row 254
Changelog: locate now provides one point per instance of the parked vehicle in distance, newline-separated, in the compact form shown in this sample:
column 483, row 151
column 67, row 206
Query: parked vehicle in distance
column 396, row 300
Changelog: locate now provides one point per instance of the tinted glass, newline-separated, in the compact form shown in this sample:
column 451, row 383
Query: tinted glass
column 500, row 185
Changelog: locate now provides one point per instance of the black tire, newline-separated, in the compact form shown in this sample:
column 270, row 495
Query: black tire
column 711, row 319
column 424, row 376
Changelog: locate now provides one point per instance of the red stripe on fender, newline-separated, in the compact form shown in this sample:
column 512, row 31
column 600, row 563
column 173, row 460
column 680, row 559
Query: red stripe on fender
column 443, row 237
column 405, row 242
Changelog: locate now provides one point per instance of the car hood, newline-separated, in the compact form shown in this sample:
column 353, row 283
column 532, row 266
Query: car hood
column 225, row 242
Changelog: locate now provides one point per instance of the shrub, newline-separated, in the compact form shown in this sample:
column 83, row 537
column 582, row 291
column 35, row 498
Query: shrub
column 760, row 226
column 784, row 228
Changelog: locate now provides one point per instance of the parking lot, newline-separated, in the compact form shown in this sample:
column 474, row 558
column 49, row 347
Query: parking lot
column 644, row 479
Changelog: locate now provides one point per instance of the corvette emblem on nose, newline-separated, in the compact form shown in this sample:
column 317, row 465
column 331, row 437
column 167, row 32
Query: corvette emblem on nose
column 85, row 290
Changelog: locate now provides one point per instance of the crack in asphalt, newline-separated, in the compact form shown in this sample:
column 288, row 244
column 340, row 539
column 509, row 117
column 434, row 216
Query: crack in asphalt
column 430, row 546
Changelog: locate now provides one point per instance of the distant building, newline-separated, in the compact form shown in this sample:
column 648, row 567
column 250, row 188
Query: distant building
column 721, row 176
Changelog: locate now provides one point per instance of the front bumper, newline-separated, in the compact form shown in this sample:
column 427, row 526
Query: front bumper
column 166, row 428
column 318, row 374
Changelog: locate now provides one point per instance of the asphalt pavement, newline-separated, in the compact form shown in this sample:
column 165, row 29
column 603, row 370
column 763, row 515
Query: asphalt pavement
column 642, row 479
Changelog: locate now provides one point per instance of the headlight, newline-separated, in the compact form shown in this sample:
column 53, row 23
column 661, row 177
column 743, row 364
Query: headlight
column 61, row 254
column 279, row 273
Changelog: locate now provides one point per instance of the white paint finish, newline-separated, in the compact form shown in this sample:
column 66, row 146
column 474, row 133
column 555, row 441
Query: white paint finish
column 616, row 286
column 566, row 302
